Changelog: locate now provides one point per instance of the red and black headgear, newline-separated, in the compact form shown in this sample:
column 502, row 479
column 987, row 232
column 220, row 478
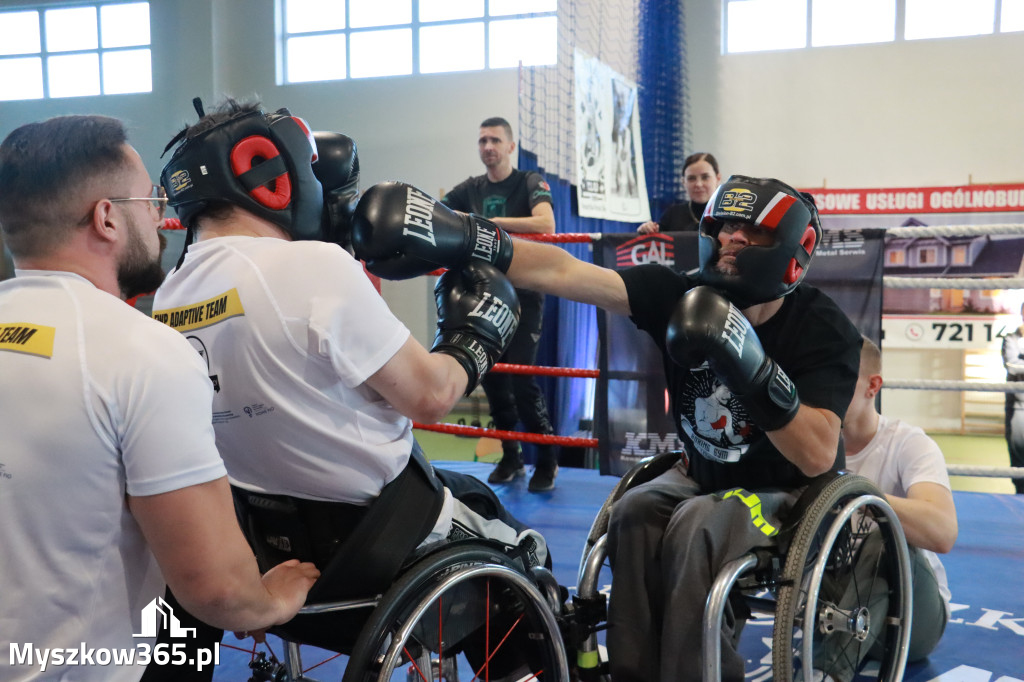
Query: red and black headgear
column 765, row 273
column 260, row 162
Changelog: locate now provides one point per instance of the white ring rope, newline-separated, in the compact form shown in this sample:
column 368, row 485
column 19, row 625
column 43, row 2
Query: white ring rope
column 954, row 230
column 891, row 282
column 997, row 472
column 950, row 385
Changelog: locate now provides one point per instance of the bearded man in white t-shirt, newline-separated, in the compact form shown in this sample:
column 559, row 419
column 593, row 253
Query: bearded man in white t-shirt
column 110, row 483
column 910, row 469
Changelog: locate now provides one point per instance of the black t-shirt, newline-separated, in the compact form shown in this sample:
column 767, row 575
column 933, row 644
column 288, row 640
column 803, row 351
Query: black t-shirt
column 809, row 337
column 513, row 197
column 682, row 217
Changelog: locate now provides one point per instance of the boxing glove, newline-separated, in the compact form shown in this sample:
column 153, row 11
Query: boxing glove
column 402, row 232
column 337, row 169
column 705, row 325
column 477, row 314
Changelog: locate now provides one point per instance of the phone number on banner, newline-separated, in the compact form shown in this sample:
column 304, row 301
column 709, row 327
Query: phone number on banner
column 946, row 331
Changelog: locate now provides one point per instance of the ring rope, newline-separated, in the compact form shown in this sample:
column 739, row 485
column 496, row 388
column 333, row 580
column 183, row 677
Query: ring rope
column 479, row 432
column 955, row 230
column 893, row 282
column 905, row 232
column 950, row 385
column 995, row 472
column 540, row 370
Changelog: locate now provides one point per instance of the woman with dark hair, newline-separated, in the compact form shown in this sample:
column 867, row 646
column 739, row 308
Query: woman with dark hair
column 700, row 177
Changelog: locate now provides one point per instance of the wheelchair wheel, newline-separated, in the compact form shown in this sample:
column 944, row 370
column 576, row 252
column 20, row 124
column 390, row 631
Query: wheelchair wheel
column 466, row 607
column 833, row 609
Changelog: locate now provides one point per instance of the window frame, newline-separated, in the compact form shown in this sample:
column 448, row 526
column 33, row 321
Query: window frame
column 899, row 29
column 45, row 54
column 415, row 25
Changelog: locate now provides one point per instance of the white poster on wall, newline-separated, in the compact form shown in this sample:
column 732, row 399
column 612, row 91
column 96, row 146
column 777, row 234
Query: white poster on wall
column 609, row 158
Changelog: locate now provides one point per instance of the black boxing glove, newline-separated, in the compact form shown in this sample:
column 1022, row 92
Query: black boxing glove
column 477, row 314
column 705, row 325
column 337, row 169
column 402, row 232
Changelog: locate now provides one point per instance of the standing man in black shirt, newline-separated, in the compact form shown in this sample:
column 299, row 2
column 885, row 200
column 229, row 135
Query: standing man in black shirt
column 519, row 202
column 775, row 358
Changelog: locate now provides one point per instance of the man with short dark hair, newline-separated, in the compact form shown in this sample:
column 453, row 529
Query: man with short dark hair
column 518, row 202
column 111, row 481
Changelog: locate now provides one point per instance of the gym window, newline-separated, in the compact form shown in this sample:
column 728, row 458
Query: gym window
column 759, row 25
column 75, row 51
column 322, row 40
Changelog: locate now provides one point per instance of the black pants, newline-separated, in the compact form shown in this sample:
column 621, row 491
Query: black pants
column 515, row 398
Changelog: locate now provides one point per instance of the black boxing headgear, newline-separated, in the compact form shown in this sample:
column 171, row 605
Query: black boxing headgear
column 765, row 273
column 260, row 162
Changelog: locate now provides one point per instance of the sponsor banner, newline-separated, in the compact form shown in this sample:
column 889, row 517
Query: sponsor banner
column 610, row 181
column 955, row 199
column 959, row 332
column 632, row 419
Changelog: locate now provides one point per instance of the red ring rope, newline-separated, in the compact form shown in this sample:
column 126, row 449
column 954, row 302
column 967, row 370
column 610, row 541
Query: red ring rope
column 478, row 432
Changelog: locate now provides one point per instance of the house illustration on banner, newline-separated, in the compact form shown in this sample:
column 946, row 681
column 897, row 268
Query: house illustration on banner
column 159, row 613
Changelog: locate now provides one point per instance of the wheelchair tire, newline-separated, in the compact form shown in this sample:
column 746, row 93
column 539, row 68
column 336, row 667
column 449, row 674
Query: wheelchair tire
column 461, row 602
column 841, row 637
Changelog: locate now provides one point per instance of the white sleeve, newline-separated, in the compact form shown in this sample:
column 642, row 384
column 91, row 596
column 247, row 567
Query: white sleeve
column 167, row 440
column 351, row 324
column 921, row 461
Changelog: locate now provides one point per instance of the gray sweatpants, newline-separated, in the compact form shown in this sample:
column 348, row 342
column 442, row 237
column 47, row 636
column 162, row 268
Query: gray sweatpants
column 667, row 543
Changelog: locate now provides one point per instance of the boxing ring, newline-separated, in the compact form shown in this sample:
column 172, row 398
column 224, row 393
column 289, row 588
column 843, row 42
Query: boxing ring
column 985, row 638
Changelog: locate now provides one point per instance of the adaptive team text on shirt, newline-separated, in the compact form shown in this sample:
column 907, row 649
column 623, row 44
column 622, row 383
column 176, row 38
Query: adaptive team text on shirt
column 202, row 314
column 21, row 337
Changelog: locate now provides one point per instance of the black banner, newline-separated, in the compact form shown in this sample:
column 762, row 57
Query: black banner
column 631, row 406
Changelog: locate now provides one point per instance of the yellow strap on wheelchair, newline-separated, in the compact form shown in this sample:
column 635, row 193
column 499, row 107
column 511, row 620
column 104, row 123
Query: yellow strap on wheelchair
column 753, row 502
column 587, row 660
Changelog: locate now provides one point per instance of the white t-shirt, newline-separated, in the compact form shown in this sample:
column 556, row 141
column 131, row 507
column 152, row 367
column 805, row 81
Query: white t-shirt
column 97, row 402
column 898, row 457
column 291, row 331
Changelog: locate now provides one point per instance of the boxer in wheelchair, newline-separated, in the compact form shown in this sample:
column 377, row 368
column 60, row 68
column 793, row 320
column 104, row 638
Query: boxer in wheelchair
column 760, row 370
column 316, row 382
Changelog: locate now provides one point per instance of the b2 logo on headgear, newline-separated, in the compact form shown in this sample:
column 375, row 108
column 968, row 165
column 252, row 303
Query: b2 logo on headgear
column 738, row 201
column 180, row 181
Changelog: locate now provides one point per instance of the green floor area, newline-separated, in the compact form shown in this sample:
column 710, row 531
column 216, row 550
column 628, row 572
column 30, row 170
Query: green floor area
column 976, row 451
column 962, row 450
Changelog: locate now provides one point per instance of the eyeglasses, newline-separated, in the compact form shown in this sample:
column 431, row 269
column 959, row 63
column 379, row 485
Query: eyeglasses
column 157, row 199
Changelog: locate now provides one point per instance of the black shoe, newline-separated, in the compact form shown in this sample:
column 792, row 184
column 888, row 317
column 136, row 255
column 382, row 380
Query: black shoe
column 543, row 479
column 507, row 471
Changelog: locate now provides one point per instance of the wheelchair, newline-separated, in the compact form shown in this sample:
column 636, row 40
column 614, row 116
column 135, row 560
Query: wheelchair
column 820, row 595
column 471, row 603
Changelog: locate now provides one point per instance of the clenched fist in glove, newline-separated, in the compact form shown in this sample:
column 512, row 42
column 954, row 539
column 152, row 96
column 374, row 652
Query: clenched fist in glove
column 477, row 314
column 402, row 232
column 705, row 325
